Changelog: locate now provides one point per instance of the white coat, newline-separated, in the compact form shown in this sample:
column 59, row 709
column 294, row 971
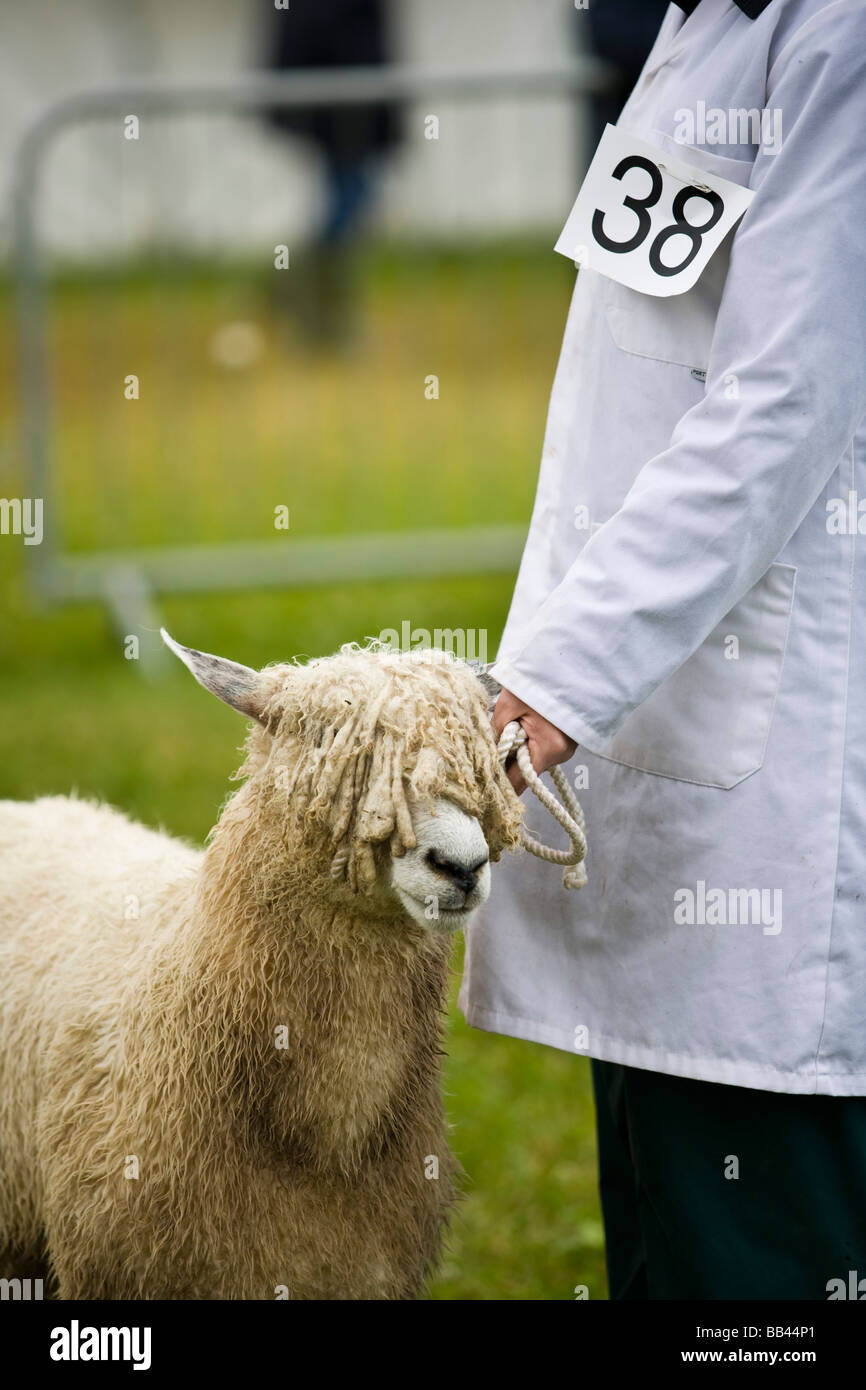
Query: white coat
column 704, row 637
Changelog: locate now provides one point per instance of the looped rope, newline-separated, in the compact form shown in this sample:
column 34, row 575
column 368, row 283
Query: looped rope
column 570, row 816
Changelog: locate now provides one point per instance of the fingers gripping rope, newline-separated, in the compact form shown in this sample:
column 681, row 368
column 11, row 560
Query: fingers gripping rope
column 570, row 815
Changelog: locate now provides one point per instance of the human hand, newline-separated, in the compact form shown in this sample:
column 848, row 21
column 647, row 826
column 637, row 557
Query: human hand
column 547, row 745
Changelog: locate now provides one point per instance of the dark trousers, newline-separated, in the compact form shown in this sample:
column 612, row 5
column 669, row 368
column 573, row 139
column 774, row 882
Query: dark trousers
column 711, row 1191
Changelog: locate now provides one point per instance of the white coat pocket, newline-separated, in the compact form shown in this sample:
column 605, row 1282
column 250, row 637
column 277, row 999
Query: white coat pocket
column 677, row 329
column 709, row 722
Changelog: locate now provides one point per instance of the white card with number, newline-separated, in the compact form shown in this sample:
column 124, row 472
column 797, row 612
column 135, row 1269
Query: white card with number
column 646, row 218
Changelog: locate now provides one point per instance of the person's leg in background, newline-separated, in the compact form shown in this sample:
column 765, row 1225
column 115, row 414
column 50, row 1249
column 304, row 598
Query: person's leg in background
column 712, row 1192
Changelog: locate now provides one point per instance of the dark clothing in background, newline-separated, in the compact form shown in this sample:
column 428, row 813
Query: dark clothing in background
column 336, row 34
column 622, row 32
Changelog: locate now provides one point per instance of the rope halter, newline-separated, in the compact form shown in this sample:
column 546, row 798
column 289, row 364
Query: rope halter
column 570, row 815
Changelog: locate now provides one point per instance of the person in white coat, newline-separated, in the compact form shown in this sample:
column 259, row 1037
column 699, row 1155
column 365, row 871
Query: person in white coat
column 688, row 633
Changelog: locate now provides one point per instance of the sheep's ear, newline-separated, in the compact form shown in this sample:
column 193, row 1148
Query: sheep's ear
column 235, row 685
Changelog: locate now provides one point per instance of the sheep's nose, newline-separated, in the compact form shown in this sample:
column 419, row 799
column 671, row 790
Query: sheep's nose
column 464, row 876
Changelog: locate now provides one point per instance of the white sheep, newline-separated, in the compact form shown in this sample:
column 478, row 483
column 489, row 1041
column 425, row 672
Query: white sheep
column 219, row 1070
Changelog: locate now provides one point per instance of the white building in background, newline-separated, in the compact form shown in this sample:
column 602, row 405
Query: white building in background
column 499, row 165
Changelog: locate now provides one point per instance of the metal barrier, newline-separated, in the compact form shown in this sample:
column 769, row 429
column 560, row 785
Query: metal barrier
column 126, row 581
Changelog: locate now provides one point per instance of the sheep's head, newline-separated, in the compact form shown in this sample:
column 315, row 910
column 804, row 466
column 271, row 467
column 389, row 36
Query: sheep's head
column 382, row 770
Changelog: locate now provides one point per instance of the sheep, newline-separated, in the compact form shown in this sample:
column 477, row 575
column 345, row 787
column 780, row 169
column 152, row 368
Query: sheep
column 220, row 1069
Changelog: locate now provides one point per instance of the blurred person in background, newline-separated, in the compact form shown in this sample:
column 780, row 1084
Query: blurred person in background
column 352, row 141
column 622, row 32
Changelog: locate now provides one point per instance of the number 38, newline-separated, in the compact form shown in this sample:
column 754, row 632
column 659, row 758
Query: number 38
column 639, row 206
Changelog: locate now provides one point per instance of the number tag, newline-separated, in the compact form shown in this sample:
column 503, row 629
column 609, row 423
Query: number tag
column 647, row 219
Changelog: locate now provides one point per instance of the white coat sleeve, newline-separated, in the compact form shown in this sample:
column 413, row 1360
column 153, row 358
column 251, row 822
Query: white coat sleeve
column 707, row 517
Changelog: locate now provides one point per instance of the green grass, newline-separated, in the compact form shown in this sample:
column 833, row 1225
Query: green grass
column 348, row 442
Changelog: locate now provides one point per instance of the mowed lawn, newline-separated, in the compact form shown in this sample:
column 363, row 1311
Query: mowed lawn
column 348, row 442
